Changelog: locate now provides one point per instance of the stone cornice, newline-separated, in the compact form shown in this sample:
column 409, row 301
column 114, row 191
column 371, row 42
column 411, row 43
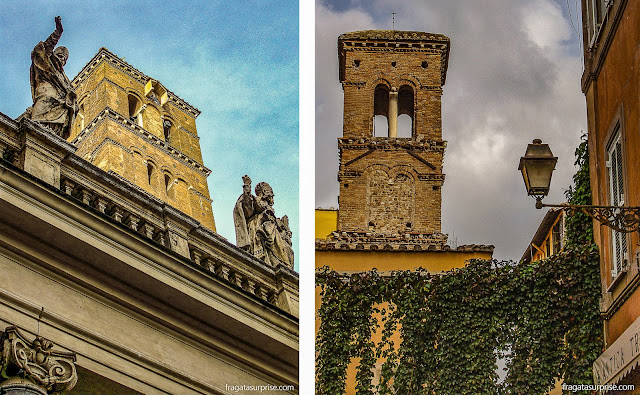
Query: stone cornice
column 209, row 236
column 361, row 84
column 365, row 241
column 190, row 133
column 105, row 55
column 372, row 241
column 113, row 188
column 395, row 35
column 111, row 141
column 434, row 177
column 115, row 181
column 200, row 194
column 35, row 129
column 110, row 114
column 394, row 40
column 178, row 216
column 289, row 274
column 8, row 121
column 390, row 143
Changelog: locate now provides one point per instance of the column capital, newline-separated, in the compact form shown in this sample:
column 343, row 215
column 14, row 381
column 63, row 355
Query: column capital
column 33, row 363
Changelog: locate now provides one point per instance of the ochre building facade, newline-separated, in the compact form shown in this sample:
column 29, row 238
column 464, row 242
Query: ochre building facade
column 611, row 84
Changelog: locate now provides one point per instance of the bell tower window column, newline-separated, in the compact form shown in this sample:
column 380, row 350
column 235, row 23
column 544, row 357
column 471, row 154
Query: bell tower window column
column 393, row 113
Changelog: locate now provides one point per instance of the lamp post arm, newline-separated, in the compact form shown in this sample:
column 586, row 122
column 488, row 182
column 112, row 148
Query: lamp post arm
column 619, row 218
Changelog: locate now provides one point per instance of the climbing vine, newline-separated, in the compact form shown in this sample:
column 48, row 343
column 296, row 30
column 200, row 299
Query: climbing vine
column 540, row 318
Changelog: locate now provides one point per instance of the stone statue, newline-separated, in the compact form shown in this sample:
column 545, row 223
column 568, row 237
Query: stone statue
column 258, row 230
column 54, row 101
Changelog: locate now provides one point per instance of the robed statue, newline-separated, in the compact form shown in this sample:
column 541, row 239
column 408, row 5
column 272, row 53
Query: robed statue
column 54, row 101
column 258, row 230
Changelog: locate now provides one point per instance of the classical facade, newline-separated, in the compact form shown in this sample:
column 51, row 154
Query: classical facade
column 391, row 157
column 110, row 265
column 611, row 84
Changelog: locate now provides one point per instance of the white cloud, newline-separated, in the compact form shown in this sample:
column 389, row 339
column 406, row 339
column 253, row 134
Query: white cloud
column 545, row 25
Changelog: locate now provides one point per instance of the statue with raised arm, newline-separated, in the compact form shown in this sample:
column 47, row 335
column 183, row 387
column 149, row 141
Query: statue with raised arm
column 54, row 101
column 258, row 230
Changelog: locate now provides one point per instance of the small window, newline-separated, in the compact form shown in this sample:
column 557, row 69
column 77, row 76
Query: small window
column 404, row 126
column 405, row 111
column 556, row 234
column 424, row 65
column 356, row 63
column 150, row 172
column 596, row 11
column 169, row 186
column 380, row 126
column 616, row 196
column 166, row 125
column 135, row 107
column 548, row 245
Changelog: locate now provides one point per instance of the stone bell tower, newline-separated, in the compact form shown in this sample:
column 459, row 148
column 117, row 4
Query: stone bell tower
column 391, row 152
column 131, row 125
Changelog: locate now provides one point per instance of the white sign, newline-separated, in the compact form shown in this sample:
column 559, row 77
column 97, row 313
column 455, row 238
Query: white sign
column 618, row 356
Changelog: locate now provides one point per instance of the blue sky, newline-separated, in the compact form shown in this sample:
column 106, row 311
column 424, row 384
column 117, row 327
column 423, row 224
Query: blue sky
column 237, row 62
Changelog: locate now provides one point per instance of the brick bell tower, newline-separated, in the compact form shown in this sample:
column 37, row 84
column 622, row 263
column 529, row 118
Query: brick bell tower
column 131, row 125
column 391, row 152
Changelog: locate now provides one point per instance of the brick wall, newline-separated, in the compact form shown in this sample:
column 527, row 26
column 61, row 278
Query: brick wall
column 116, row 143
column 391, row 185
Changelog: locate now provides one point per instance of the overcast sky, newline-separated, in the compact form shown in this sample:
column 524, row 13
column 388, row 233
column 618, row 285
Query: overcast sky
column 514, row 75
column 237, row 62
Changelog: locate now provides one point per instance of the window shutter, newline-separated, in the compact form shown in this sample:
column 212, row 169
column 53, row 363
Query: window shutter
column 616, row 190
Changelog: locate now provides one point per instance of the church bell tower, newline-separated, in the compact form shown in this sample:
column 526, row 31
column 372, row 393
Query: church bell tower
column 391, row 152
column 133, row 126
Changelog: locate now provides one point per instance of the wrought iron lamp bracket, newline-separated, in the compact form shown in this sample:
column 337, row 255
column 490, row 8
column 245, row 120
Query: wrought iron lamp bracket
column 619, row 218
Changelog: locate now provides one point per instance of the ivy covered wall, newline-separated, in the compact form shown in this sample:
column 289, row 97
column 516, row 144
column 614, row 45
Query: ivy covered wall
column 542, row 318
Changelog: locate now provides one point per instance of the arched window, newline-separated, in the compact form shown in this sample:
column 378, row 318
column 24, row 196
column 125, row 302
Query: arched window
column 80, row 118
column 405, row 112
column 169, row 186
column 381, row 111
column 135, row 107
column 166, row 125
column 151, row 173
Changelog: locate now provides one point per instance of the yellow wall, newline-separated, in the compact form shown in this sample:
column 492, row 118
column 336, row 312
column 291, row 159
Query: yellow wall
column 326, row 222
column 433, row 261
column 356, row 261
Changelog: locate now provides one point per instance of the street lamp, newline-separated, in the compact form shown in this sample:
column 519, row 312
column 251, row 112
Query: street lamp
column 537, row 166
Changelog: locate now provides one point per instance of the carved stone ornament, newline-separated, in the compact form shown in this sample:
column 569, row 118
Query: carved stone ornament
column 36, row 362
